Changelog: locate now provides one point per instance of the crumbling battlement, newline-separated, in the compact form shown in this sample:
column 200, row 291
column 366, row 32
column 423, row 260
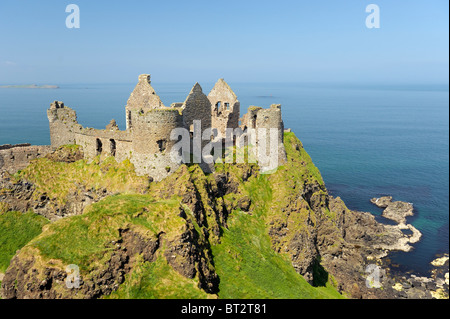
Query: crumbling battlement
column 147, row 140
column 63, row 124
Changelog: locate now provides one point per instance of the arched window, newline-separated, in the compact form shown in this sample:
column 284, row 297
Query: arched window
column 218, row 107
column 99, row 146
column 112, row 147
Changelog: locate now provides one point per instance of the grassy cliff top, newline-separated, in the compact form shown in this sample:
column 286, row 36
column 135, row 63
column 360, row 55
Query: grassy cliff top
column 211, row 232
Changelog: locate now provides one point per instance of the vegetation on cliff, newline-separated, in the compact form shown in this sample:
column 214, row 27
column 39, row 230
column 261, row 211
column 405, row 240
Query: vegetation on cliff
column 17, row 230
column 231, row 234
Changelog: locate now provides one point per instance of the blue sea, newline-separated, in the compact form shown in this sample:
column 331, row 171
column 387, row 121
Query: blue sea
column 367, row 140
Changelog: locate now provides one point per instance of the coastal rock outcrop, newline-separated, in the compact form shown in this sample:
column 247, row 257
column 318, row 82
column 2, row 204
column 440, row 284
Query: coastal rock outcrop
column 398, row 211
column 394, row 210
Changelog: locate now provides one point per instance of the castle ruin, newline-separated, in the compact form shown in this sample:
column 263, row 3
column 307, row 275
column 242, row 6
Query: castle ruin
column 147, row 141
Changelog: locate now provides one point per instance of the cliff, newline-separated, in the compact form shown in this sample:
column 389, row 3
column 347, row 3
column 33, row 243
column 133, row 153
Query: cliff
column 231, row 234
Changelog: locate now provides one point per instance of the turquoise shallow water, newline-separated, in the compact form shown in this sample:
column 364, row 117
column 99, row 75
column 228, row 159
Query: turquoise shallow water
column 367, row 141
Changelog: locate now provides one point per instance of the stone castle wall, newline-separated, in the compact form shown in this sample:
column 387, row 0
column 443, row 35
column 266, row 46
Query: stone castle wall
column 151, row 142
column 63, row 123
column 225, row 108
column 100, row 142
column 197, row 107
column 147, row 140
column 143, row 98
column 258, row 118
column 16, row 157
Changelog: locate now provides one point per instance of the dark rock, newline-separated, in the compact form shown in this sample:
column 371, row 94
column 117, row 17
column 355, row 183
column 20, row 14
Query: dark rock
column 244, row 203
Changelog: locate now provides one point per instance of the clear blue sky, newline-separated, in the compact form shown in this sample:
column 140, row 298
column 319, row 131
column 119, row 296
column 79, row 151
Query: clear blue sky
column 242, row 41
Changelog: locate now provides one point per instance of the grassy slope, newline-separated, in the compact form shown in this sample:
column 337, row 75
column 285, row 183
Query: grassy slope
column 245, row 261
column 248, row 266
column 57, row 179
column 157, row 280
column 16, row 230
column 84, row 240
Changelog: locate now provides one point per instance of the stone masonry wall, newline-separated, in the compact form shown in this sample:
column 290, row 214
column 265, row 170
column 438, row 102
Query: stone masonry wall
column 63, row 123
column 151, row 143
column 258, row 118
column 197, row 107
column 99, row 142
column 143, row 97
column 225, row 107
column 16, row 157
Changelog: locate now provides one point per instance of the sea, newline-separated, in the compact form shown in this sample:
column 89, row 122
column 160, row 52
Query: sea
column 368, row 140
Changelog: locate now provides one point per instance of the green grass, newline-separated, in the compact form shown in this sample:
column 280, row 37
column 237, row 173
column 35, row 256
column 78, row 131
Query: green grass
column 16, row 230
column 244, row 257
column 85, row 240
column 158, row 280
column 299, row 162
column 249, row 268
column 58, row 180
column 246, row 263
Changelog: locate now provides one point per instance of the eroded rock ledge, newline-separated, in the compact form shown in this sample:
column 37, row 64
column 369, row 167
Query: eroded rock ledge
column 398, row 211
column 411, row 286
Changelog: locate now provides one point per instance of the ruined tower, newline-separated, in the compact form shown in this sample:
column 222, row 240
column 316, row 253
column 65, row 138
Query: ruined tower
column 262, row 122
column 152, row 143
column 63, row 124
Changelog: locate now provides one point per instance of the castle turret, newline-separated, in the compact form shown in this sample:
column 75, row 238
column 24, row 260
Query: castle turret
column 151, row 141
column 268, row 129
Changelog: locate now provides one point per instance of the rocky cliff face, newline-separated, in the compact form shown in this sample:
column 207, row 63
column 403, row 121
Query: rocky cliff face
column 178, row 220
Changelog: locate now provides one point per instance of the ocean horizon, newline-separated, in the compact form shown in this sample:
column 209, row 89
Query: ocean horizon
column 367, row 140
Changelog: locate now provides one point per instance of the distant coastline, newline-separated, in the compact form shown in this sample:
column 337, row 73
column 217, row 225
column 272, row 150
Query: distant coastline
column 29, row 86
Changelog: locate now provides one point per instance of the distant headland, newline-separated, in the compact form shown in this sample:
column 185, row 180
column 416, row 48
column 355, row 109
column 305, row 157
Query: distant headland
column 29, row 86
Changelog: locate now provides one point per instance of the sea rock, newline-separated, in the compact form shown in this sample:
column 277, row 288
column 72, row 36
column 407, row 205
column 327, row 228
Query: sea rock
column 439, row 262
column 382, row 202
column 396, row 211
